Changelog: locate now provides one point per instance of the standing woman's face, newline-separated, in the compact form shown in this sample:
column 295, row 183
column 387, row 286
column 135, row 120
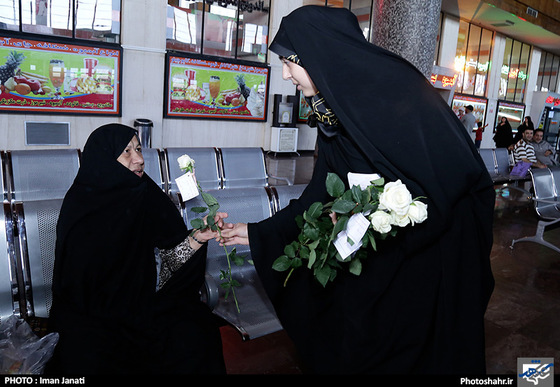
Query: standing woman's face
column 132, row 158
column 299, row 77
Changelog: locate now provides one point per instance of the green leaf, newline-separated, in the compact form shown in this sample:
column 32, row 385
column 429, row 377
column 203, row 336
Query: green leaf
column 335, row 186
column 282, row 263
column 343, row 206
column 312, row 258
column 296, row 262
column 209, row 199
column 304, row 252
column 299, row 221
column 340, row 225
column 310, row 232
column 198, row 224
column 290, row 251
column 315, row 210
column 199, row 210
column 323, row 274
column 355, row 267
column 357, row 194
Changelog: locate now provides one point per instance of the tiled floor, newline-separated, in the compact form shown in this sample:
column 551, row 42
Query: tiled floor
column 522, row 320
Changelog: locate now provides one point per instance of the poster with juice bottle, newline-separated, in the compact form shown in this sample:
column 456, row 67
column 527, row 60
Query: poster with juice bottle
column 205, row 88
column 51, row 77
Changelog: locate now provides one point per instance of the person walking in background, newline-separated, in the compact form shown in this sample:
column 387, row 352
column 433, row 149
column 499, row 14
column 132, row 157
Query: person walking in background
column 469, row 120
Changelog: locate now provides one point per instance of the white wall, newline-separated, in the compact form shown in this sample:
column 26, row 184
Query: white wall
column 143, row 41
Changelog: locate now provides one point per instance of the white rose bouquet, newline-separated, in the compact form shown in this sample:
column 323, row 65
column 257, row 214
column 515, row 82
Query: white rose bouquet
column 186, row 164
column 362, row 216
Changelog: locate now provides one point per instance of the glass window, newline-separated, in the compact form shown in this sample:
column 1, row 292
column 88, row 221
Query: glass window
column 513, row 79
column 554, row 80
column 505, row 69
column 253, row 35
column 98, row 20
column 47, row 17
column 83, row 19
column 9, row 14
column 184, row 26
column 460, row 54
column 219, row 28
column 483, row 65
column 362, row 9
column 472, row 59
column 548, row 72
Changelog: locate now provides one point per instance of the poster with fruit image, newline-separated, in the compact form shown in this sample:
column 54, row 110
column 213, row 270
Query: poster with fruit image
column 58, row 78
column 206, row 88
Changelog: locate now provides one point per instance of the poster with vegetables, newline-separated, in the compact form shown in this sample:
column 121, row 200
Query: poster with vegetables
column 48, row 77
column 203, row 88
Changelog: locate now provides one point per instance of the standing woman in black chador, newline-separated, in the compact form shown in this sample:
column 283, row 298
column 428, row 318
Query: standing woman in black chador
column 112, row 312
column 418, row 305
column 504, row 134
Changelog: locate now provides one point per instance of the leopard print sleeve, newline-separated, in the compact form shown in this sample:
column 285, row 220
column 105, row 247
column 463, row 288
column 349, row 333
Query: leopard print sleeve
column 173, row 259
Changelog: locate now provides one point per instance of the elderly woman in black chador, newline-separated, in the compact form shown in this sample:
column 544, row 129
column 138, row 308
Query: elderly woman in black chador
column 418, row 305
column 113, row 313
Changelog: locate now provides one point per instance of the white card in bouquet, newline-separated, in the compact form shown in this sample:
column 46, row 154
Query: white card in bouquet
column 187, row 186
column 361, row 179
column 355, row 229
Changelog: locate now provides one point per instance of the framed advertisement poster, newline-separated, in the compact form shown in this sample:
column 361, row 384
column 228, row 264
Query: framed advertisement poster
column 198, row 87
column 39, row 76
column 479, row 106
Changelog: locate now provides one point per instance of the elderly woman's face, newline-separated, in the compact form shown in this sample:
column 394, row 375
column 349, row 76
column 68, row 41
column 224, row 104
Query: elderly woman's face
column 132, row 158
column 299, row 77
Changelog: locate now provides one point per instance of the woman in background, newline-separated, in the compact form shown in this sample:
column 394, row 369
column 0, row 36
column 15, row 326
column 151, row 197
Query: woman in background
column 504, row 135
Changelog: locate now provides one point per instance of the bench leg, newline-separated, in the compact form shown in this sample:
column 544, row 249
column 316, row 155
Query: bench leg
column 539, row 236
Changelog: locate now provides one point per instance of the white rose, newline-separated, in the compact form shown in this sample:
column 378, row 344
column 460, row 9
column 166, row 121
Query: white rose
column 381, row 221
column 186, row 163
column 401, row 221
column 395, row 197
column 417, row 212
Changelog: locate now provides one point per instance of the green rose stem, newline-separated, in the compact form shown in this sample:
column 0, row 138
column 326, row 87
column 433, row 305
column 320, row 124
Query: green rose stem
column 198, row 224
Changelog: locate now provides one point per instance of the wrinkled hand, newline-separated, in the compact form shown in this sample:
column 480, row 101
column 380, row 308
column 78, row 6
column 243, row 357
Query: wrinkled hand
column 207, row 234
column 234, row 234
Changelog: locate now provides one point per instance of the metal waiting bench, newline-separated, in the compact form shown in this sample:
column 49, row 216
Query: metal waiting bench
column 153, row 167
column 498, row 164
column 41, row 174
column 256, row 317
column 546, row 186
column 36, row 225
column 245, row 167
column 37, row 181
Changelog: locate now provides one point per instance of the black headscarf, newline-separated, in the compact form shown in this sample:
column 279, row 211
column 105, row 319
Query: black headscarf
column 105, row 272
column 385, row 105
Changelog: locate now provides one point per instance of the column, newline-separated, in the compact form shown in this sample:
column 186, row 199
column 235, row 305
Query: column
column 408, row 28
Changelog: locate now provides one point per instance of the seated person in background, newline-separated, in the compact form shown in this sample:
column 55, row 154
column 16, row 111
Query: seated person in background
column 524, row 151
column 544, row 151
